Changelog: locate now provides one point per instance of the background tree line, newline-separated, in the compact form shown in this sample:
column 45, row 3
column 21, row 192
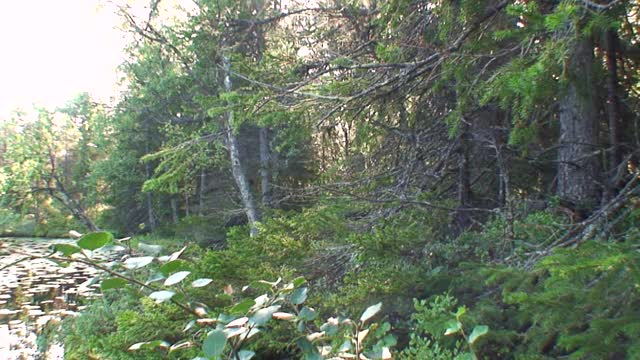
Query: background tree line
column 373, row 143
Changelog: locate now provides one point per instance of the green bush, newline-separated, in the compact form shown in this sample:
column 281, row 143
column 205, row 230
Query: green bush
column 580, row 303
column 109, row 327
column 576, row 303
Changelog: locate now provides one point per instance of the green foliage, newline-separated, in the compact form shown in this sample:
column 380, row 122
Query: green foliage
column 110, row 326
column 206, row 231
column 377, row 121
column 523, row 86
column 13, row 224
column 570, row 295
column 95, row 240
column 430, row 323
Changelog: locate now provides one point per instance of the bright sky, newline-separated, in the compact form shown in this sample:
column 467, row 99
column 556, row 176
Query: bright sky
column 54, row 49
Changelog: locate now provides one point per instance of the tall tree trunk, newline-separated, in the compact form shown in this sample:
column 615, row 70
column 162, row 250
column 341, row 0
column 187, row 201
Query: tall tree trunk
column 265, row 174
column 613, row 113
column 577, row 155
column 462, row 216
column 237, row 170
column 187, row 205
column 464, row 169
column 151, row 219
column 175, row 216
column 203, row 185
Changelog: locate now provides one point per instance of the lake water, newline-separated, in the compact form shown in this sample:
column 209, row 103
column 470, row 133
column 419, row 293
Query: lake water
column 37, row 293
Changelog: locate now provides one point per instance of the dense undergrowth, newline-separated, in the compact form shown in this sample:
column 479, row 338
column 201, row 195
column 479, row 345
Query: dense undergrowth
column 54, row 225
column 459, row 179
column 578, row 302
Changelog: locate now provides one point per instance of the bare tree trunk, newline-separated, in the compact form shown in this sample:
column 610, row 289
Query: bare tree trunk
column 464, row 170
column 175, row 217
column 505, row 198
column 265, row 174
column 151, row 219
column 578, row 158
column 203, row 185
column 76, row 209
column 58, row 191
column 239, row 175
column 462, row 216
column 613, row 115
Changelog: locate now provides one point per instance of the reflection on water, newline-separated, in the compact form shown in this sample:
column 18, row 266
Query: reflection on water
column 37, row 293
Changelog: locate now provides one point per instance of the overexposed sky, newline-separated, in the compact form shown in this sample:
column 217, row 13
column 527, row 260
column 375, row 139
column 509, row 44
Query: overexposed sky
column 55, row 49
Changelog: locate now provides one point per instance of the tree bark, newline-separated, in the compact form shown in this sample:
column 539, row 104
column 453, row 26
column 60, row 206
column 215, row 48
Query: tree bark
column 613, row 114
column 175, row 217
column 151, row 219
column 464, row 171
column 265, row 174
column 237, row 170
column 203, row 185
column 462, row 216
column 578, row 151
column 60, row 193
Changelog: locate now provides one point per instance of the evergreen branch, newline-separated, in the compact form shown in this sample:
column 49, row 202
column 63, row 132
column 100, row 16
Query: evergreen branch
column 421, row 67
column 282, row 15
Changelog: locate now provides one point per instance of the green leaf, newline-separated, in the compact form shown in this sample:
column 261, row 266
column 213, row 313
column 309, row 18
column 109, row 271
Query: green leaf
column 254, row 331
column 262, row 316
column 298, row 281
column 201, row 283
column 261, row 300
column 177, row 254
column 453, row 327
column 299, row 296
column 95, row 240
column 137, row 346
column 59, row 263
column 138, row 262
column 176, row 278
column 162, row 295
column 214, row 344
column 112, row 283
column 242, row 307
column 309, row 351
column 155, row 277
column 66, row 249
column 150, row 345
column 329, row 328
column 174, row 266
column 307, row 314
column 461, row 311
column 466, row 356
column 370, row 312
column 246, row 354
column 477, row 332
column 346, row 346
column 149, row 249
column 271, row 283
column 189, row 325
column 233, row 332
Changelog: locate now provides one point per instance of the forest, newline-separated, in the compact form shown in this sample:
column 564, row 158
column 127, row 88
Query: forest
column 350, row 179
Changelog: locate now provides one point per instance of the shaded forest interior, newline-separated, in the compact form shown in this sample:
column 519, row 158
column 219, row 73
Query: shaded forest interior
column 433, row 156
